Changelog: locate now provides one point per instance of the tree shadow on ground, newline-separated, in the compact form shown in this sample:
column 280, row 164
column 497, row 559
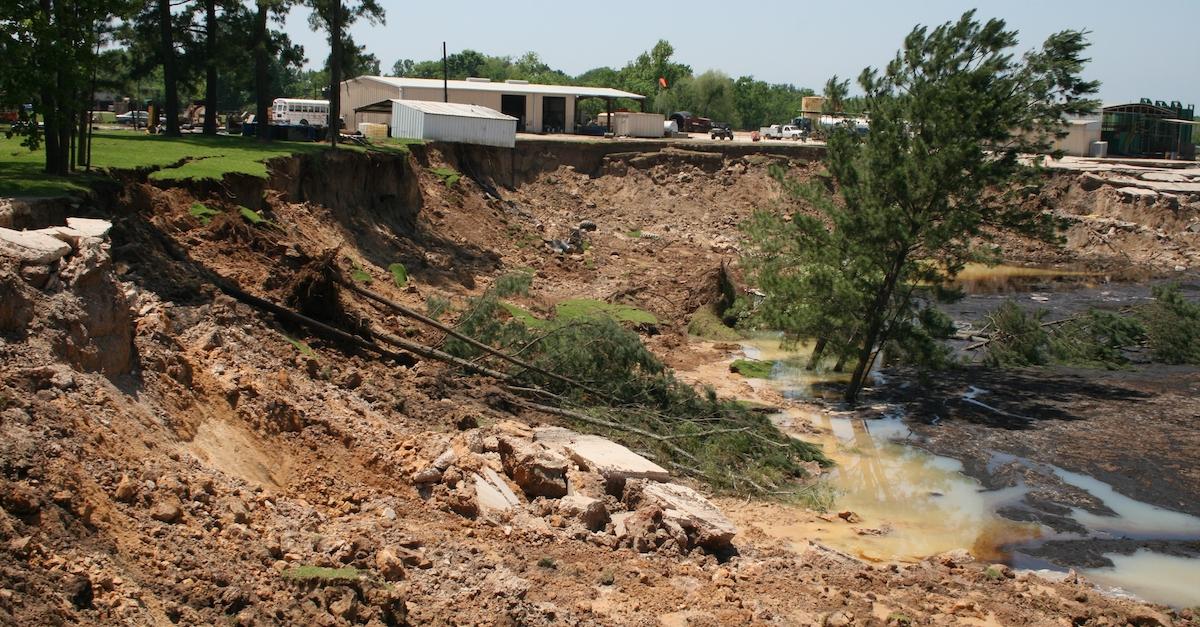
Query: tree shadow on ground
column 1011, row 399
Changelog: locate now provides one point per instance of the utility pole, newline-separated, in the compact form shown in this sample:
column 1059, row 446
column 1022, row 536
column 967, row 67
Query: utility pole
column 445, row 76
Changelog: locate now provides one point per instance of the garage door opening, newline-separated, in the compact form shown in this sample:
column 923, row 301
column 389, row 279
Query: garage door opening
column 515, row 106
column 554, row 114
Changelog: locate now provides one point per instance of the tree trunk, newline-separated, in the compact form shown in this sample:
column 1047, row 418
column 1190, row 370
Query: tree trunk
column 170, row 80
column 210, row 67
column 875, row 317
column 262, row 113
column 335, row 72
column 81, row 134
column 815, row 358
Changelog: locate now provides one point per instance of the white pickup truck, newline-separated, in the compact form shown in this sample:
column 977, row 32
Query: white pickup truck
column 787, row 131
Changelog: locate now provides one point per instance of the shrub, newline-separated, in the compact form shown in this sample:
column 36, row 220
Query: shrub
column 721, row 441
column 1019, row 338
column 1173, row 326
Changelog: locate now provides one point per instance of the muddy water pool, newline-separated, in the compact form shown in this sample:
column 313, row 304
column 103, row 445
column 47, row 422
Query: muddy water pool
column 909, row 504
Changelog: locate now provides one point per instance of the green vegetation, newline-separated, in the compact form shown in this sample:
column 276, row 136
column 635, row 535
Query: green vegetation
column 321, row 573
column 819, row 496
column 952, row 117
column 1170, row 327
column 358, row 274
column 435, row 306
column 634, row 234
column 399, row 274
column 448, row 175
column 513, row 284
column 192, row 157
column 301, row 346
column 590, row 308
column 1173, row 327
column 202, row 213
column 547, row 562
column 252, row 216
column 752, row 368
column 522, row 315
column 707, row 325
column 743, row 102
column 633, row 397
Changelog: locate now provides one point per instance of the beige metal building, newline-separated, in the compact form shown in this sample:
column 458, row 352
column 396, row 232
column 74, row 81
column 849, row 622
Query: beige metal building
column 538, row 108
column 1081, row 133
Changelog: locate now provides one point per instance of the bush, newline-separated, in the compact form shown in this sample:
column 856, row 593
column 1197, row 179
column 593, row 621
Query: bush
column 717, row 440
column 1173, row 326
column 1019, row 338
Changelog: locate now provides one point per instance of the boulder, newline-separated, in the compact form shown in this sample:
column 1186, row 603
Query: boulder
column 492, row 494
column 90, row 227
column 587, row 510
column 705, row 525
column 539, row 472
column 611, row 460
column 32, row 247
column 390, row 566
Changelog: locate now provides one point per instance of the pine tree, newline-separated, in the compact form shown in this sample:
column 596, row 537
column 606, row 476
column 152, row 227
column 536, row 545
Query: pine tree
column 954, row 118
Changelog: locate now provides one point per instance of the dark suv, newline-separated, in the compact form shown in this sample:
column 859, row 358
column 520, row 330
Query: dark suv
column 720, row 131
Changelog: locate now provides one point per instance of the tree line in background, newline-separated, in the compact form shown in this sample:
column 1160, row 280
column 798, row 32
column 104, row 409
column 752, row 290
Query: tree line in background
column 743, row 102
column 231, row 54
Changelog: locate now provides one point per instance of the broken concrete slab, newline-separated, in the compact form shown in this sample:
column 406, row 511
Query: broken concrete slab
column 589, row 511
column 32, row 247
column 705, row 524
column 615, row 462
column 538, row 470
column 492, row 494
column 91, row 227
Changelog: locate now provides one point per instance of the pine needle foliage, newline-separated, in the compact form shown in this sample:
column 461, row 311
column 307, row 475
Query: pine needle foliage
column 1173, row 326
column 952, row 118
column 716, row 440
column 1097, row 338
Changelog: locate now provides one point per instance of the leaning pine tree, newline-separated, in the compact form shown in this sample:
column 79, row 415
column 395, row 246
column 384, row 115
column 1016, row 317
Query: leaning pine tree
column 955, row 121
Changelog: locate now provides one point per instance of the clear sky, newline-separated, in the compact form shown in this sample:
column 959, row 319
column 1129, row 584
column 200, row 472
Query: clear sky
column 1138, row 50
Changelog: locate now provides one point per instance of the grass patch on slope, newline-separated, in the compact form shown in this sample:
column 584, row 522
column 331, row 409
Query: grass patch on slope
column 752, row 368
column 196, row 157
column 588, row 307
column 707, row 325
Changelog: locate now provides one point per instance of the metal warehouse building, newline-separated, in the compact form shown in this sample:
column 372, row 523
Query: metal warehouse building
column 537, row 108
column 451, row 122
column 1155, row 130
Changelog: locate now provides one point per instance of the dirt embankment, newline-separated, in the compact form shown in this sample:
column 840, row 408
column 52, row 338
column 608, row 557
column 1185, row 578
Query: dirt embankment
column 176, row 457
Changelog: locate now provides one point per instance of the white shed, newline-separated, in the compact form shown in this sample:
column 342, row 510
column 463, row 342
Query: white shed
column 452, row 122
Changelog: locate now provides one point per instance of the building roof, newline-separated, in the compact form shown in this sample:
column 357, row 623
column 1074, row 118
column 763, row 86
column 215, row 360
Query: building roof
column 454, row 109
column 505, row 87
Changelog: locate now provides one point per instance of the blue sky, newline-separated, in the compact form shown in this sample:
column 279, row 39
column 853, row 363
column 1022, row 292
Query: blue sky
column 1137, row 49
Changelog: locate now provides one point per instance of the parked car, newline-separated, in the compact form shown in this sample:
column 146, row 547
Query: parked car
column 142, row 117
column 721, row 130
column 787, row 131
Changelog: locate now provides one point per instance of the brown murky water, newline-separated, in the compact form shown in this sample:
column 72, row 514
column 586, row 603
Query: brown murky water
column 910, row 504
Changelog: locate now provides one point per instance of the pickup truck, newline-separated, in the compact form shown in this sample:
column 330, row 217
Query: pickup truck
column 787, row 131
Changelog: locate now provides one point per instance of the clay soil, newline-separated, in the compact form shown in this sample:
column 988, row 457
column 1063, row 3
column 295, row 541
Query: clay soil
column 172, row 456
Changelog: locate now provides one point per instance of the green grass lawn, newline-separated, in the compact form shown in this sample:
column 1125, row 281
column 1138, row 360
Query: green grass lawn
column 188, row 157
